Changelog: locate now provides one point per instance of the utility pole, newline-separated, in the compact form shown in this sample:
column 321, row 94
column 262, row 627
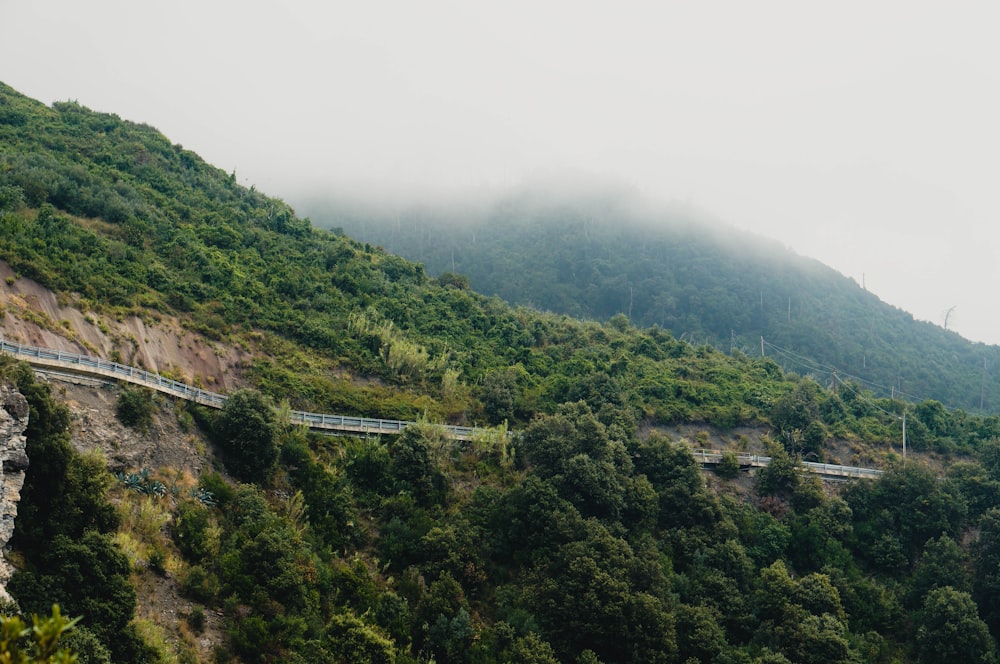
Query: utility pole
column 982, row 388
column 834, row 382
column 762, row 346
column 904, row 437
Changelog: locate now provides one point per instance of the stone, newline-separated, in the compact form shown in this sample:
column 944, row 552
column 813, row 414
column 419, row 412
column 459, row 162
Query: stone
column 13, row 463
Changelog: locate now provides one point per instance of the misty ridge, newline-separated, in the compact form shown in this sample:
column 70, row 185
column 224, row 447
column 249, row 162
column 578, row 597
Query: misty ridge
column 593, row 248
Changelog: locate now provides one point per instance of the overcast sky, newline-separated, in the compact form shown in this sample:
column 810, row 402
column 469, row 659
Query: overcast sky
column 863, row 134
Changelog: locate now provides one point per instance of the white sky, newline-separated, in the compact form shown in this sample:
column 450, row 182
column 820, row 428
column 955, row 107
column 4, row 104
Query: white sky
column 863, row 134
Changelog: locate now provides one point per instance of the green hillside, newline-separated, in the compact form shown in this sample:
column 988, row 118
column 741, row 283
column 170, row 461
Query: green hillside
column 113, row 211
column 589, row 535
column 599, row 253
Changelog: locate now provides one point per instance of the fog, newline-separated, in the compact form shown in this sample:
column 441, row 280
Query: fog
column 860, row 134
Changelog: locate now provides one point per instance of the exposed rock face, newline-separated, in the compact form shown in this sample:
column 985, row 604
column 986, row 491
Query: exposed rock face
column 13, row 463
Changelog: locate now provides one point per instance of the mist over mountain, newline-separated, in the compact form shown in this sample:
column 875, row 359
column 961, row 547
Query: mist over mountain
column 593, row 250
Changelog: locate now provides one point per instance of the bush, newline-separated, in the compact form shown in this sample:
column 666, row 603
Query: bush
column 135, row 407
column 196, row 619
column 199, row 584
column 729, row 466
column 247, row 432
column 190, row 531
column 157, row 561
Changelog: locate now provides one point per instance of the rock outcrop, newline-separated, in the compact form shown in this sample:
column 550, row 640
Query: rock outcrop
column 13, row 463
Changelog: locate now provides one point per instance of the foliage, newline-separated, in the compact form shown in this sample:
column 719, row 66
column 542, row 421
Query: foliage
column 64, row 493
column 949, row 629
column 729, row 466
column 40, row 643
column 89, row 577
column 63, row 526
column 606, row 254
column 246, row 431
column 142, row 483
column 135, row 407
column 587, row 534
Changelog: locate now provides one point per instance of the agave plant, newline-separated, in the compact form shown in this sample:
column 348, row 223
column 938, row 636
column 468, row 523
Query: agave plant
column 140, row 483
column 203, row 496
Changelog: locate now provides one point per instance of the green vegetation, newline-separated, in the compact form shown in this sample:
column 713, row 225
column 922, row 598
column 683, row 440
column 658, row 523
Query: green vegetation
column 246, row 432
column 135, row 407
column 574, row 540
column 601, row 253
column 64, row 528
column 37, row 644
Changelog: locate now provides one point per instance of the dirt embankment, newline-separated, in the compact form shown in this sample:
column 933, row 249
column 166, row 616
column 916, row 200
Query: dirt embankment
column 36, row 316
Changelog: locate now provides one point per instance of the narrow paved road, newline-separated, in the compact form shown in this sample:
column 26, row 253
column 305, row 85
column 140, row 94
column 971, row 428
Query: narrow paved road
column 324, row 423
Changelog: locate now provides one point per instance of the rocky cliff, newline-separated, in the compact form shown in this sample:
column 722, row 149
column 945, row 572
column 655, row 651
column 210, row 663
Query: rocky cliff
column 13, row 463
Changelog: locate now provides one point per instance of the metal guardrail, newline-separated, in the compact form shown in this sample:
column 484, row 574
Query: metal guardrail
column 842, row 471
column 316, row 421
column 322, row 421
column 714, row 457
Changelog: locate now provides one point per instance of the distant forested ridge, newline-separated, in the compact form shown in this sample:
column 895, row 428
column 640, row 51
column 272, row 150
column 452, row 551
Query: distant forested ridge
column 596, row 254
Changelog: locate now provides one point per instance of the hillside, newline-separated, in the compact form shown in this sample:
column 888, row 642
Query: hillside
column 589, row 535
column 596, row 252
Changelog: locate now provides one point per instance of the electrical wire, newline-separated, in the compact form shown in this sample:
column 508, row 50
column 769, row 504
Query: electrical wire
column 819, row 368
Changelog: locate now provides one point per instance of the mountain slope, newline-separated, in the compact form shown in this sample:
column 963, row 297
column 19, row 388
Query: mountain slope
column 600, row 252
column 591, row 536
column 122, row 223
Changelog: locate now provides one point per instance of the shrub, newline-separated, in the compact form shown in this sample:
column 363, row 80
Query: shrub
column 135, row 407
column 190, row 531
column 196, row 619
column 199, row 584
column 729, row 466
column 246, row 430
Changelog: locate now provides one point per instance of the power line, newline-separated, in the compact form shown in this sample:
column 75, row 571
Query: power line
column 826, row 370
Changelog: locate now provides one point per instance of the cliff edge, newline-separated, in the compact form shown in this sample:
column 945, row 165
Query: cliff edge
column 13, row 463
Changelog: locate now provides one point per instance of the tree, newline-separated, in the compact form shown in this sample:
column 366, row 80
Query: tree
column 780, row 477
column 246, row 429
column 499, row 396
column 89, row 577
column 803, row 619
column 573, row 451
column 986, row 565
column 729, row 466
column 895, row 515
column 700, row 636
column 796, row 417
column 412, row 465
column 349, row 639
column 942, row 563
column 64, row 492
column 949, row 630
column 135, row 407
column 588, row 596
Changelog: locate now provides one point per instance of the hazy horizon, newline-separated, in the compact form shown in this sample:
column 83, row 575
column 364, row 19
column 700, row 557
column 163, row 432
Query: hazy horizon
column 861, row 135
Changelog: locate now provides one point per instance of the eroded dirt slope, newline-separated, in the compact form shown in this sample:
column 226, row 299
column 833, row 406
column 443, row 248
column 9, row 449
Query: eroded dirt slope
column 34, row 315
